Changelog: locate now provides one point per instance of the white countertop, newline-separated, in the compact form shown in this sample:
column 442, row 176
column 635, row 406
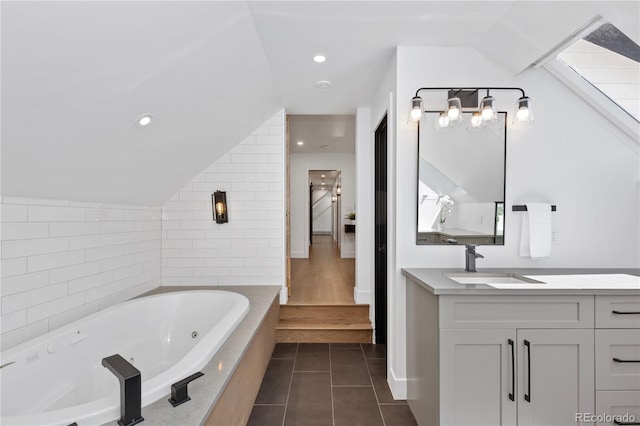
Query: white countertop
column 576, row 281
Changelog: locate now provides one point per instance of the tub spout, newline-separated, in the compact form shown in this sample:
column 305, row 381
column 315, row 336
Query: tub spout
column 130, row 389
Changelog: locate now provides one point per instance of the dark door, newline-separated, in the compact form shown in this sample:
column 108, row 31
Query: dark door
column 310, row 213
column 381, row 231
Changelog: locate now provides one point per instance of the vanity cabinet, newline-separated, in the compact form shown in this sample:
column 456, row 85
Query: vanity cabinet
column 499, row 359
column 508, row 377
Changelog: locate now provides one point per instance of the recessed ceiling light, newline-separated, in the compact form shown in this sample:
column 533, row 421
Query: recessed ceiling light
column 144, row 120
column 319, row 58
column 323, row 84
column 325, row 147
column 300, row 143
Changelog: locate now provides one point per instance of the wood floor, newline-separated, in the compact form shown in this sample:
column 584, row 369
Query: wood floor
column 324, row 278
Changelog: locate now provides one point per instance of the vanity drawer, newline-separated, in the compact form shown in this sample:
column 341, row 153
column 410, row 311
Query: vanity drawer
column 516, row 311
column 617, row 311
column 618, row 359
column 625, row 404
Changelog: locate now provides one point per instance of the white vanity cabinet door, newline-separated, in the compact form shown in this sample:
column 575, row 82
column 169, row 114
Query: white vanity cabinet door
column 555, row 372
column 476, row 377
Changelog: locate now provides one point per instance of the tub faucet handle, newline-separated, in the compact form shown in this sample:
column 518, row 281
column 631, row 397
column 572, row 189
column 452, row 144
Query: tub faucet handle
column 179, row 394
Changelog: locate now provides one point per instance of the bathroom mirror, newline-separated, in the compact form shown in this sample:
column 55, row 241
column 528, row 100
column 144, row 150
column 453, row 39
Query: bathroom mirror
column 461, row 182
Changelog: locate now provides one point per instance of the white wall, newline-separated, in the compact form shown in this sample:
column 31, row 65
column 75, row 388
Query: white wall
column 300, row 164
column 365, row 239
column 64, row 260
column 572, row 157
column 249, row 249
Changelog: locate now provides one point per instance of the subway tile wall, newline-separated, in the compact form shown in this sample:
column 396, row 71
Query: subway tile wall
column 249, row 249
column 63, row 260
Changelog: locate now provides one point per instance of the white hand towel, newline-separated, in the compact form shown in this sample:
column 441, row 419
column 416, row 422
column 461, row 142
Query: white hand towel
column 535, row 240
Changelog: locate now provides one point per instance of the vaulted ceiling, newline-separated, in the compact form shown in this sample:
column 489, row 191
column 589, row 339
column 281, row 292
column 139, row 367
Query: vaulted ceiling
column 75, row 75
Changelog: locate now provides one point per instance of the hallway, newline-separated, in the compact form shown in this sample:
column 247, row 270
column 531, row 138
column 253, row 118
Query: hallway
column 323, row 278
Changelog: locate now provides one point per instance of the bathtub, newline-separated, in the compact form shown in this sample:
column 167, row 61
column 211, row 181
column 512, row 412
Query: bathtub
column 58, row 378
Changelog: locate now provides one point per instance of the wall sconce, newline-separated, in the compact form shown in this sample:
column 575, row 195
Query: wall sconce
column 484, row 113
column 219, row 203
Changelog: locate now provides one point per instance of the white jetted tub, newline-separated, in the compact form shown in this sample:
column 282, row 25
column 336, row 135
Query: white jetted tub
column 58, row 378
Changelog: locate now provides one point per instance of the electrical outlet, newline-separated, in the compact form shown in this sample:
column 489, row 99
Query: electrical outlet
column 554, row 238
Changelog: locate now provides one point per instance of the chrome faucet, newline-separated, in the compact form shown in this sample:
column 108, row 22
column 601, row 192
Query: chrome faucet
column 470, row 258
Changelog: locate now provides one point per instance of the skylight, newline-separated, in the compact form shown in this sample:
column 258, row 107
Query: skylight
column 610, row 61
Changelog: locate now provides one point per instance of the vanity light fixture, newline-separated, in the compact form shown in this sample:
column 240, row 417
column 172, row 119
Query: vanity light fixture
column 300, row 143
column 219, row 204
column 454, row 110
column 443, row 122
column 524, row 114
column 338, row 190
column 416, row 109
column 488, row 110
column 484, row 114
column 334, row 198
column 476, row 119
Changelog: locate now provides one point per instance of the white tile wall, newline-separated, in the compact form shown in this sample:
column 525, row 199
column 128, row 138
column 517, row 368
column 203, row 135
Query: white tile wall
column 63, row 260
column 250, row 248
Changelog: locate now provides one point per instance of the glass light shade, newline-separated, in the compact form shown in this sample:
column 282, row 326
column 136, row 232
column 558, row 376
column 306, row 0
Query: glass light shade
column 488, row 109
column 454, row 110
column 443, row 121
column 476, row 119
column 415, row 109
column 523, row 112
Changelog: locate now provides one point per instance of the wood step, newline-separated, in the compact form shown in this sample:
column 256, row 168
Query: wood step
column 324, row 324
column 324, row 311
column 323, row 336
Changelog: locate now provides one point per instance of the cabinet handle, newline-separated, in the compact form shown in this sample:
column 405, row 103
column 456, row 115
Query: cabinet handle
column 527, row 396
column 616, row 422
column 625, row 360
column 625, row 313
column 513, row 371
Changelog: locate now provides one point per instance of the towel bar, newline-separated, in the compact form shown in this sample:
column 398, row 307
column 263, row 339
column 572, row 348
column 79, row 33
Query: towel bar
column 523, row 208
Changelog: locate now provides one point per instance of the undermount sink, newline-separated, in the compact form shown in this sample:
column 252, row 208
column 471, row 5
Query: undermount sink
column 490, row 278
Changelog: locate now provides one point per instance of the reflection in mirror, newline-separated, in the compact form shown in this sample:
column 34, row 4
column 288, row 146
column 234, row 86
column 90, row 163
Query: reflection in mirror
column 461, row 181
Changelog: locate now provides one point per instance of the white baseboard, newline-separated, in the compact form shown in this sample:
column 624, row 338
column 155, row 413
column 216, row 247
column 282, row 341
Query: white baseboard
column 348, row 254
column 361, row 296
column 298, row 255
column 283, row 296
column 397, row 385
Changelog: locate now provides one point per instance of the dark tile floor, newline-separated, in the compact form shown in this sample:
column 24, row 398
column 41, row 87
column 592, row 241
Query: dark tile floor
column 332, row 384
